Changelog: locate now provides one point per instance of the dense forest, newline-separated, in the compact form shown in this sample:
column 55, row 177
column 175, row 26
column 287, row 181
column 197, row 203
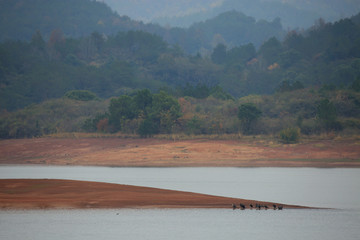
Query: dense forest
column 136, row 82
column 31, row 72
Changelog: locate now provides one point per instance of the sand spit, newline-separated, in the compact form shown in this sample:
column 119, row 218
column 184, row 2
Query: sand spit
column 69, row 194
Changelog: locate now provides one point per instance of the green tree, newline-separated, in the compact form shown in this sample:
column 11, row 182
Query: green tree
column 199, row 91
column 241, row 54
column 120, row 110
column 289, row 58
column 165, row 111
column 356, row 85
column 327, row 115
column 248, row 114
column 193, row 126
column 271, row 50
column 97, row 39
column 143, row 101
column 219, row 54
column 219, row 93
column 287, row 86
column 148, row 128
column 90, row 124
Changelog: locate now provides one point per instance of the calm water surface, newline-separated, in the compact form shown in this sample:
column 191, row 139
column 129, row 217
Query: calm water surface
column 180, row 224
column 335, row 188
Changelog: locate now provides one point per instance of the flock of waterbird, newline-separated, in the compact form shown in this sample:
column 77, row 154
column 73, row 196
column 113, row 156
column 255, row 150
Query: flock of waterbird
column 257, row 207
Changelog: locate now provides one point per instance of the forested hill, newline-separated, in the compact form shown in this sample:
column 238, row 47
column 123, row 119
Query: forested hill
column 31, row 72
column 307, row 80
column 20, row 19
column 231, row 28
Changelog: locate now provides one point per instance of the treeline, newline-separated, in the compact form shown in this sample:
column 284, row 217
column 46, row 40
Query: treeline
column 308, row 111
column 311, row 111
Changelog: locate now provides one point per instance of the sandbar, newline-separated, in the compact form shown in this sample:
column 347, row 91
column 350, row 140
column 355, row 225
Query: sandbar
column 71, row 194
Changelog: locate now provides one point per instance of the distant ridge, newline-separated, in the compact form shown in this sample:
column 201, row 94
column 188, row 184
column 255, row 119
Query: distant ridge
column 182, row 13
column 79, row 18
column 20, row 19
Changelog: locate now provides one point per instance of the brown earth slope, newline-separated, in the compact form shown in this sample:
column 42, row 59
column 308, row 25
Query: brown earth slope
column 187, row 153
column 49, row 194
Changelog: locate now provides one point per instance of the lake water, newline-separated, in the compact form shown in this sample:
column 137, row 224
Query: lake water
column 180, row 224
column 334, row 188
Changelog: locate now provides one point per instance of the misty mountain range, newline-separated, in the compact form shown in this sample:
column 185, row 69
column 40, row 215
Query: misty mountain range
column 293, row 13
column 232, row 22
column 79, row 18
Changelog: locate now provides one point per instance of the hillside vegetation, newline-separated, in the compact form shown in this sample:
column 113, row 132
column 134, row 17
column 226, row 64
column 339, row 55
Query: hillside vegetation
column 311, row 111
column 135, row 82
column 31, row 72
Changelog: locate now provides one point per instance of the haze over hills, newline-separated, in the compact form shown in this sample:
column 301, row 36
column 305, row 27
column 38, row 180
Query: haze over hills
column 146, row 10
column 231, row 28
column 293, row 13
column 79, row 18
column 19, row 19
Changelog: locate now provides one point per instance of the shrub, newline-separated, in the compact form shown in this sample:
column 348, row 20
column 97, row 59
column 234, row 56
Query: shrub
column 81, row 95
column 290, row 135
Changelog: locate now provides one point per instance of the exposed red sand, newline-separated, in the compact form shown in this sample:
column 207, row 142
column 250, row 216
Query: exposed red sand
column 67, row 194
column 188, row 153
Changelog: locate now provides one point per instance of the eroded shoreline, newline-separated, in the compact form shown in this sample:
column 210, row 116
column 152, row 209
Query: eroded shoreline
column 185, row 153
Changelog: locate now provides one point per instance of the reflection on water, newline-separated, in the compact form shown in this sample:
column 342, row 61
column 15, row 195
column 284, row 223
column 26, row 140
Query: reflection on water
column 180, row 224
column 333, row 188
